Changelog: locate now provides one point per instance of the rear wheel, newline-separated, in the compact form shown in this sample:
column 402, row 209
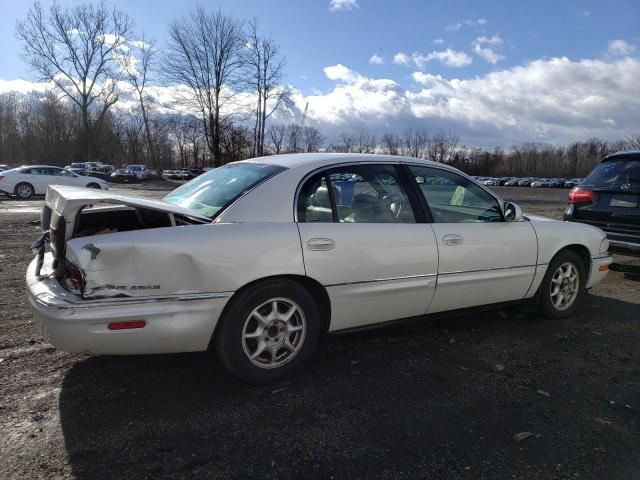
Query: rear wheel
column 563, row 287
column 268, row 332
column 24, row 190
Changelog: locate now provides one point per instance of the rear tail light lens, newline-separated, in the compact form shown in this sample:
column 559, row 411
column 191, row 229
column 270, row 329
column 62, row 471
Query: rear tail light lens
column 581, row 195
column 126, row 325
column 74, row 278
column 1, row 177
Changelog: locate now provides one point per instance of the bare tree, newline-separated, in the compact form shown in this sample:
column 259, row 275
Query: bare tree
column 312, row 139
column 138, row 63
column 634, row 141
column 361, row 141
column 265, row 78
column 294, row 138
column 415, row 143
column 77, row 49
column 276, row 134
column 205, row 54
column 391, row 144
column 442, row 146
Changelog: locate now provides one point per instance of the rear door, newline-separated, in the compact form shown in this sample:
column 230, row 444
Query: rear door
column 364, row 240
column 483, row 258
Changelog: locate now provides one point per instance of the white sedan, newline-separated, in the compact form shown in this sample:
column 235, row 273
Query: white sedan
column 27, row 181
column 259, row 258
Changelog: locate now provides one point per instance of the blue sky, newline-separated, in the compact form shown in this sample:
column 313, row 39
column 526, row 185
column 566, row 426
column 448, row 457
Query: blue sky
column 329, row 48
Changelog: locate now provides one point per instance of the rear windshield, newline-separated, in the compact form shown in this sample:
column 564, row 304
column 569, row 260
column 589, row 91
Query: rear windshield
column 218, row 188
column 613, row 173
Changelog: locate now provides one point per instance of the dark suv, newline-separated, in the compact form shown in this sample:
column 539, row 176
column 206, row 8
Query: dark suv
column 609, row 198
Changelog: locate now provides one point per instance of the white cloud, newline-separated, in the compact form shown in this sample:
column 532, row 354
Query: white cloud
column 342, row 5
column 504, row 107
column 585, row 13
column 449, row 57
column 495, row 40
column 454, row 27
column 621, row 48
column 487, row 53
column 438, row 41
column 401, row 58
column 376, row 59
column 341, row 73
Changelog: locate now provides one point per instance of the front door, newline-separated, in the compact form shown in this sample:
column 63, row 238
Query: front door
column 483, row 258
column 363, row 241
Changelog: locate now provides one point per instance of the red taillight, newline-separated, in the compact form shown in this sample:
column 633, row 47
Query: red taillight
column 581, row 195
column 1, row 177
column 74, row 277
column 126, row 325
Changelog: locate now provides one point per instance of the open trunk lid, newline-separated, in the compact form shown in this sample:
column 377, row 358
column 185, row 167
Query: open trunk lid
column 71, row 212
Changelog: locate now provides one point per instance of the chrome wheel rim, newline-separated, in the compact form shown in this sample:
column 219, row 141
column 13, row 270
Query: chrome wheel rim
column 24, row 191
column 273, row 333
column 564, row 286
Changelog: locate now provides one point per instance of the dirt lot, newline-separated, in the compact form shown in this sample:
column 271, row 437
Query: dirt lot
column 436, row 398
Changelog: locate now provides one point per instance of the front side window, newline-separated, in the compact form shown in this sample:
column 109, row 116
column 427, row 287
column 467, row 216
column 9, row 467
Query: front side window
column 218, row 188
column 355, row 194
column 453, row 198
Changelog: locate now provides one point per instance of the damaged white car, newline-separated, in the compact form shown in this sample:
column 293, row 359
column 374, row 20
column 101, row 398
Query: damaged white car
column 259, row 258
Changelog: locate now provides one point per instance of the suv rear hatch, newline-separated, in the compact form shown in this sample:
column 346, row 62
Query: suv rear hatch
column 609, row 198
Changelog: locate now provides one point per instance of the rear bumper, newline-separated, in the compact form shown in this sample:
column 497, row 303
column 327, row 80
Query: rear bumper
column 624, row 241
column 174, row 323
column 599, row 269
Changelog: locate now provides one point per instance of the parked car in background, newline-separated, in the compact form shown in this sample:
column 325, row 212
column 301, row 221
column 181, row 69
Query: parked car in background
column 525, row 182
column 572, row 182
column 78, row 168
column 123, row 175
column 512, row 183
column 490, row 182
column 140, row 171
column 5, row 167
column 609, row 198
column 541, row 183
column 301, row 248
column 25, row 182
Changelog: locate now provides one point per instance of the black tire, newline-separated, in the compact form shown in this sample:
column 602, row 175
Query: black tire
column 547, row 307
column 24, row 190
column 230, row 342
column 94, row 185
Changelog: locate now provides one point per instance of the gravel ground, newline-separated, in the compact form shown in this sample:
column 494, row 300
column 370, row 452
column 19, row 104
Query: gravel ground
column 435, row 398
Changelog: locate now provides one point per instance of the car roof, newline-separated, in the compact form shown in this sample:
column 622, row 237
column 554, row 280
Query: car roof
column 310, row 160
column 624, row 154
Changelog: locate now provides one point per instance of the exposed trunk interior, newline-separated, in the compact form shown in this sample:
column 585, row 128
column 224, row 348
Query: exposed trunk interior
column 96, row 220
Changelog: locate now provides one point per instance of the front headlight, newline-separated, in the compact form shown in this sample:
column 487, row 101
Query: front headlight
column 604, row 245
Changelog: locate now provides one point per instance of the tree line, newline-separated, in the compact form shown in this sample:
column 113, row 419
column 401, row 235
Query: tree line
column 227, row 81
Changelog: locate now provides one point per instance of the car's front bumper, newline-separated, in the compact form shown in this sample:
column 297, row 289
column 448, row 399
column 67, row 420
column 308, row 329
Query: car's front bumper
column 174, row 323
column 599, row 269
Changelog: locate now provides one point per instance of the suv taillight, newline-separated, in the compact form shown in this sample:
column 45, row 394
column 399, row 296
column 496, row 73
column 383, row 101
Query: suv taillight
column 74, row 277
column 581, row 195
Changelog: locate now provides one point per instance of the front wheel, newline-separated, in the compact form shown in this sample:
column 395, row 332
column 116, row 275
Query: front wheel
column 93, row 185
column 24, row 190
column 268, row 332
column 563, row 287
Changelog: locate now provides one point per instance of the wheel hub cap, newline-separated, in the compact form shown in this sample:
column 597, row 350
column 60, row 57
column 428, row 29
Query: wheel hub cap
column 274, row 333
column 565, row 284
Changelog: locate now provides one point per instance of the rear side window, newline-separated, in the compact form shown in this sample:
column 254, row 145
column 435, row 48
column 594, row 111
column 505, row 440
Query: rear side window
column 614, row 173
column 355, row 194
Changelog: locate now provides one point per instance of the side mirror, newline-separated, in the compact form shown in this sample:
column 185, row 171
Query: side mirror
column 512, row 212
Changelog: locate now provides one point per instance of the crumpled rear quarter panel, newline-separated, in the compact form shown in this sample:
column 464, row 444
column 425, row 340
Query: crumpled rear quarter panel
column 187, row 259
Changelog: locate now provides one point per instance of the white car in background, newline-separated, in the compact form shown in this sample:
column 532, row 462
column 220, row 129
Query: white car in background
column 27, row 181
column 258, row 258
column 140, row 171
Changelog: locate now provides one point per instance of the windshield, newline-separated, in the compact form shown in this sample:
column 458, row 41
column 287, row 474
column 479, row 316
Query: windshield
column 613, row 173
column 218, row 188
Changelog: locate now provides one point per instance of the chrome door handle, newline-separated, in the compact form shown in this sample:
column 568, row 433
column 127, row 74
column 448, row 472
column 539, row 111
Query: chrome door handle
column 452, row 240
column 320, row 244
